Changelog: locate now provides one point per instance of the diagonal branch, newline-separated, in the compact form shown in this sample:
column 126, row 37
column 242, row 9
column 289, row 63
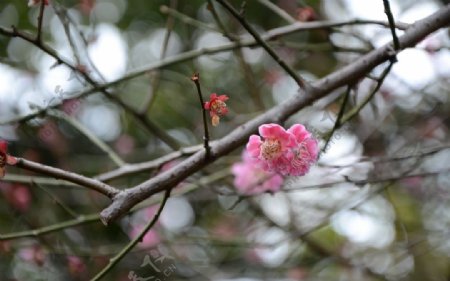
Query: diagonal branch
column 300, row 81
column 134, row 242
column 243, row 42
column 387, row 10
column 40, row 21
column 126, row 199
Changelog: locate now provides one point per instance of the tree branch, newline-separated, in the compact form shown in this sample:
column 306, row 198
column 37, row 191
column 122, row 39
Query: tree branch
column 244, row 42
column 300, row 81
column 130, row 169
column 40, row 21
column 196, row 79
column 134, row 242
column 126, row 199
column 387, row 10
column 93, row 184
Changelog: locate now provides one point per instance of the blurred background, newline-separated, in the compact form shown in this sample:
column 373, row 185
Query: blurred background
column 375, row 207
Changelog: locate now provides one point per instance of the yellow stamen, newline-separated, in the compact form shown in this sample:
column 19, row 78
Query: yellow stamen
column 270, row 149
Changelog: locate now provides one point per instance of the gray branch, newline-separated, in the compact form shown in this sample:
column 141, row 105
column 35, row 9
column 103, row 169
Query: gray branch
column 126, row 199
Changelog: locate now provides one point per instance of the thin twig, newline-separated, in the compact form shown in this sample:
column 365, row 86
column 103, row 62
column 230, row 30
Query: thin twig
column 196, row 79
column 338, row 122
column 64, row 19
column 277, row 10
column 246, row 69
column 113, row 261
column 155, row 79
column 354, row 111
column 186, row 19
column 321, row 47
column 40, row 21
column 58, row 201
column 387, row 10
column 81, row 219
column 300, row 81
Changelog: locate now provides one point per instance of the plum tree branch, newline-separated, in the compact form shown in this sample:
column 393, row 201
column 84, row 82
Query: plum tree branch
column 243, row 42
column 298, row 79
column 57, row 173
column 126, row 199
column 113, row 261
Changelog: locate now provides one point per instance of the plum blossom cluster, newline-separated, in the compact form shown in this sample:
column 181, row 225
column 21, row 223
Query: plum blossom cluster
column 287, row 152
column 272, row 154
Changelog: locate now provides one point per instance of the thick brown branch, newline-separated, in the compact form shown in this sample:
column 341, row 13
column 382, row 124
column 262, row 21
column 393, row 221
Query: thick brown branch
column 358, row 69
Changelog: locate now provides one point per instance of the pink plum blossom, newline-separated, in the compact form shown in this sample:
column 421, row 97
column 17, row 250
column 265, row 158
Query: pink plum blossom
column 272, row 147
column 290, row 152
column 304, row 153
column 250, row 178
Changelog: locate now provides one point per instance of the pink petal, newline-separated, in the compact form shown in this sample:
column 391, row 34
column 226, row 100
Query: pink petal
column 274, row 183
column 224, row 111
column 299, row 131
column 254, row 146
column 223, row 97
column 270, row 130
column 313, row 148
column 275, row 131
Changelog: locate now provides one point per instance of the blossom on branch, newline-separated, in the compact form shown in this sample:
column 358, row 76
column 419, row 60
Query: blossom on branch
column 271, row 149
column 217, row 107
column 5, row 158
column 290, row 152
column 250, row 178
